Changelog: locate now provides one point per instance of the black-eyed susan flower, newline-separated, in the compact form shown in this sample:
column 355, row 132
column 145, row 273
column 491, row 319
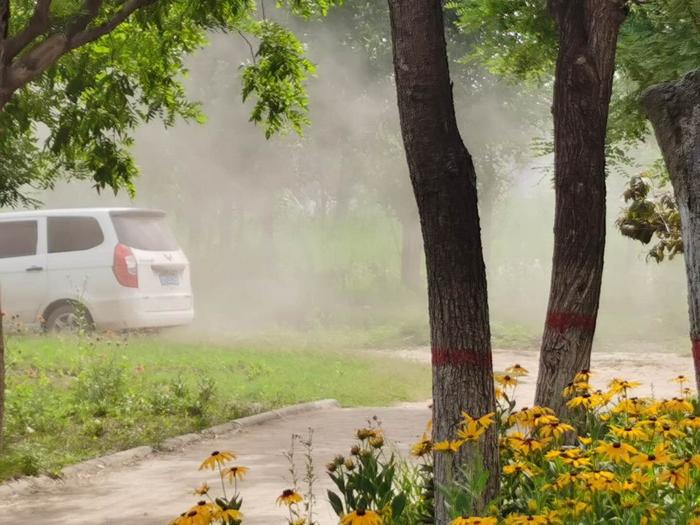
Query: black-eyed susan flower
column 524, row 444
column 681, row 379
column 202, row 489
column 583, row 376
column 217, row 459
column 634, row 433
column 527, row 519
column 678, row 477
column 447, row 445
column 484, row 421
column 474, row 520
column 555, row 429
column 471, row 431
column 233, row 473
column 659, row 456
column 362, row 517
column 365, row 433
column 617, row 385
column 506, row 380
column 617, row 452
column 422, row 447
column 229, row 514
column 289, row 497
column 517, row 370
column 519, row 467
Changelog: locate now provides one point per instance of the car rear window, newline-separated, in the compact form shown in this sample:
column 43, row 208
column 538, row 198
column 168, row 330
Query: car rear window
column 73, row 234
column 18, row 239
column 144, row 231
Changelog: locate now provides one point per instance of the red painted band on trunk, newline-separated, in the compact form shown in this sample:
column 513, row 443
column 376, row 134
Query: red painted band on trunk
column 696, row 353
column 562, row 321
column 460, row 357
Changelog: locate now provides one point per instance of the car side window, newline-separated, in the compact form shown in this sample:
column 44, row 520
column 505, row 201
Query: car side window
column 18, row 238
column 73, row 234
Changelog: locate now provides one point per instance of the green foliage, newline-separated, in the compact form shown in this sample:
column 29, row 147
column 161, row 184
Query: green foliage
column 77, row 119
column 277, row 77
column 367, row 479
column 651, row 213
column 517, row 39
column 73, row 399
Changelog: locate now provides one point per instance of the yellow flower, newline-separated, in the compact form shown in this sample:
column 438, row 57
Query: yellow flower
column 586, row 401
column 555, row 429
column 229, row 514
column 471, row 431
column 632, row 433
column 506, row 380
column 216, row 459
column 484, row 421
column 289, row 497
column 583, row 376
column 659, row 456
column 517, row 370
column 235, row 473
column 422, row 447
column 681, row 380
column 575, row 388
column 524, row 519
column 678, row 477
column 617, row 452
column 525, row 445
column 448, row 446
column 473, row 520
column 677, row 404
column 366, row 433
column 362, row 517
column 620, row 385
column 202, row 489
column 669, row 431
column 574, row 458
column 518, row 467
column 690, row 422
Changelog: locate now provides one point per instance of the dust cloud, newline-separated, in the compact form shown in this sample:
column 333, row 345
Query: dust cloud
column 308, row 233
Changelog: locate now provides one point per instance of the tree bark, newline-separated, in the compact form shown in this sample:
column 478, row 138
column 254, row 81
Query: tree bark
column 444, row 184
column 674, row 110
column 588, row 31
column 411, row 252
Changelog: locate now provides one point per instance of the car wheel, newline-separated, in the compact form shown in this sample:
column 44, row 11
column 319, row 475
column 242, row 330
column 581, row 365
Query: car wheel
column 69, row 318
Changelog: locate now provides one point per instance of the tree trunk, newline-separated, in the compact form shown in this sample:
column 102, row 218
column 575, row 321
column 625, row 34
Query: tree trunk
column 411, row 252
column 444, row 184
column 674, row 111
column 585, row 66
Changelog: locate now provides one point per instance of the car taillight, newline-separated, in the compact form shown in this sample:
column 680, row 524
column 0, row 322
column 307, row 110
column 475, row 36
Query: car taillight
column 124, row 268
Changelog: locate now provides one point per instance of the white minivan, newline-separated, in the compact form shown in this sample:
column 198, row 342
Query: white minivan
column 114, row 268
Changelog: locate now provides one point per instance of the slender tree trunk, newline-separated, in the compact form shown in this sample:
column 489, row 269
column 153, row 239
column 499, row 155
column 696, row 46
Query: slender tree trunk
column 444, row 184
column 411, row 252
column 588, row 31
column 674, row 111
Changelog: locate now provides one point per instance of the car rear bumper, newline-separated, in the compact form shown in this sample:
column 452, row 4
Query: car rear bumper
column 143, row 312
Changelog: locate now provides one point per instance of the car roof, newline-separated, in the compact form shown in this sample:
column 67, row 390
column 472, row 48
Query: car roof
column 74, row 211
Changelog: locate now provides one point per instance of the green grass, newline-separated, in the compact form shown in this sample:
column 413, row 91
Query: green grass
column 72, row 399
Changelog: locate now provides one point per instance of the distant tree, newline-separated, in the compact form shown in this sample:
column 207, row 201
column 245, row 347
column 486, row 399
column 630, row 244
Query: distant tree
column 444, row 184
column 78, row 76
column 577, row 41
column 674, row 111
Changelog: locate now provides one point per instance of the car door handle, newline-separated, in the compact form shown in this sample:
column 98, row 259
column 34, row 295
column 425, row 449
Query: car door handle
column 35, row 269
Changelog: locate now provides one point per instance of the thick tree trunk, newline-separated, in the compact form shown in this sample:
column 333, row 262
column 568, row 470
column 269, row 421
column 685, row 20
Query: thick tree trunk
column 585, row 66
column 411, row 252
column 674, row 111
column 444, row 184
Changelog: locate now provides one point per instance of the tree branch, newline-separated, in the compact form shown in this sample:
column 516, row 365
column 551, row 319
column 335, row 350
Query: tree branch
column 38, row 23
column 33, row 63
column 96, row 32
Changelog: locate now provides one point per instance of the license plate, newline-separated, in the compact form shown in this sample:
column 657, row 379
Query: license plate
column 169, row 279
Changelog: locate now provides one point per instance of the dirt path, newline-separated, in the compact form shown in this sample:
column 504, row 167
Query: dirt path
column 159, row 487
column 653, row 369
